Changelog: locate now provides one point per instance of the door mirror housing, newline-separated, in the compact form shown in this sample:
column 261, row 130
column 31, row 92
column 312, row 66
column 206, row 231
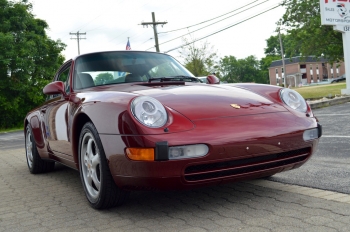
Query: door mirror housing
column 212, row 79
column 56, row 87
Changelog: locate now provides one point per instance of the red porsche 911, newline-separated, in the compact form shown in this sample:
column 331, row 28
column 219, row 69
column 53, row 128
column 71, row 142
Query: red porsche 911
column 130, row 120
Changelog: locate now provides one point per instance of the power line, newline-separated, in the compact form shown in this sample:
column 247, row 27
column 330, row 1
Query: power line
column 211, row 24
column 119, row 35
column 209, row 19
column 89, row 22
column 126, row 30
column 147, row 40
column 223, row 29
column 110, row 7
column 99, row 27
column 81, row 27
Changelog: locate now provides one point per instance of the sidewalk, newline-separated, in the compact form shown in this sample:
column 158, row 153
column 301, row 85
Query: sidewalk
column 324, row 102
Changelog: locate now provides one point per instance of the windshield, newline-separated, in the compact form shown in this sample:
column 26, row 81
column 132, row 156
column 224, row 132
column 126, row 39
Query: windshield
column 107, row 68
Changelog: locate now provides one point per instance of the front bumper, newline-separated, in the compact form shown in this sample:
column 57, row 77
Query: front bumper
column 237, row 151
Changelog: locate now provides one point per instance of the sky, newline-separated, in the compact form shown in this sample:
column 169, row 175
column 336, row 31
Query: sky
column 109, row 23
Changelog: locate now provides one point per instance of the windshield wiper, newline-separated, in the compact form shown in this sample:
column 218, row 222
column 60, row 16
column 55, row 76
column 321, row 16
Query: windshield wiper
column 174, row 78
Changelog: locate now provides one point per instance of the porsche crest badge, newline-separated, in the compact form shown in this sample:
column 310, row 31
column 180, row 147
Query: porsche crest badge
column 235, row 106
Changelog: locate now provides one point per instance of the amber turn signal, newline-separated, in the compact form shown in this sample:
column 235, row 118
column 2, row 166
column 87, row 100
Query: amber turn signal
column 144, row 154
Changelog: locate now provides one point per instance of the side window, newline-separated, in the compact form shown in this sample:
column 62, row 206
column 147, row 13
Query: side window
column 64, row 77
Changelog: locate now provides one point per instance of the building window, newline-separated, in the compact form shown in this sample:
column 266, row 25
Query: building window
column 311, row 71
column 282, row 71
column 277, row 78
column 337, row 69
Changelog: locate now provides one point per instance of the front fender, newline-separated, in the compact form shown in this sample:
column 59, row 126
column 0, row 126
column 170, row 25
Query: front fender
column 113, row 118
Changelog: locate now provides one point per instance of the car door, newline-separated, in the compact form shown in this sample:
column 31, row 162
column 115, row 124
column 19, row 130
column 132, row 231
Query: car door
column 55, row 113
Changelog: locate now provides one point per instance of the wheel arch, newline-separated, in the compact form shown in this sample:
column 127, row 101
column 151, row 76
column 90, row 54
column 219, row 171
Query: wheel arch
column 33, row 120
column 26, row 122
column 79, row 122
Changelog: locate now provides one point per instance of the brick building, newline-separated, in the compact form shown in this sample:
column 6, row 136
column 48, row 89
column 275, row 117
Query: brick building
column 304, row 70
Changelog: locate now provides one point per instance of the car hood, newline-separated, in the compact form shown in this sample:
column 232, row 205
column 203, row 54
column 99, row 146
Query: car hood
column 198, row 102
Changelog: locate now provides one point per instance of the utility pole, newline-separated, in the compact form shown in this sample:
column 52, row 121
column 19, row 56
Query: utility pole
column 78, row 38
column 154, row 24
column 284, row 66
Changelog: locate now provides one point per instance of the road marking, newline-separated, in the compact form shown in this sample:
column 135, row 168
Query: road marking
column 12, row 138
column 11, row 147
column 335, row 136
column 311, row 192
column 318, row 115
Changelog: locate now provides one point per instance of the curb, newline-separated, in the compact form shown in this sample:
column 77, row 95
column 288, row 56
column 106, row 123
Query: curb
column 329, row 102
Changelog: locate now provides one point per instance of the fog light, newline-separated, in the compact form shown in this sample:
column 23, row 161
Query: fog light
column 310, row 134
column 189, row 151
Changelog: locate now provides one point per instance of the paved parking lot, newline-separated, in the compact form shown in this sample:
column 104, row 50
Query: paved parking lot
column 329, row 167
column 55, row 202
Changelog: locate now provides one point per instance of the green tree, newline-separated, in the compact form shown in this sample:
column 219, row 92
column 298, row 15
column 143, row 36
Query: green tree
column 200, row 60
column 28, row 61
column 102, row 78
column 228, row 69
column 274, row 49
column 241, row 70
column 302, row 20
column 265, row 64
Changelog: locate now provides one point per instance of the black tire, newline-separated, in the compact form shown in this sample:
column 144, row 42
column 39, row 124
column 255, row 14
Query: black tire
column 35, row 163
column 98, row 183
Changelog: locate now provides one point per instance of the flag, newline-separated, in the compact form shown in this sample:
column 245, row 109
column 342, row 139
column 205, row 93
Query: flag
column 128, row 45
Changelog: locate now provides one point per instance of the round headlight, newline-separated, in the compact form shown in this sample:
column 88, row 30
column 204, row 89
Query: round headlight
column 293, row 99
column 149, row 111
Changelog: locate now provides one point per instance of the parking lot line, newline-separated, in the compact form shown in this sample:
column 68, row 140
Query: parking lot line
column 312, row 192
column 335, row 136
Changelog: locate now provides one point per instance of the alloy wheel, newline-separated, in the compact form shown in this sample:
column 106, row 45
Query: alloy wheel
column 90, row 162
column 29, row 149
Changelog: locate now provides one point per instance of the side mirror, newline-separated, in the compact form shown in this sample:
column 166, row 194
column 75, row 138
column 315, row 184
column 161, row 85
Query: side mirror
column 56, row 87
column 212, row 79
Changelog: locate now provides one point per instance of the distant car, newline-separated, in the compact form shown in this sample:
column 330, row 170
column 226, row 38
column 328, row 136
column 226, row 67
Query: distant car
column 338, row 79
column 129, row 120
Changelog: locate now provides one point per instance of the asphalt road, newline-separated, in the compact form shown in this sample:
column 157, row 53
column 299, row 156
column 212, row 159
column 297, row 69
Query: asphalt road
column 11, row 140
column 328, row 169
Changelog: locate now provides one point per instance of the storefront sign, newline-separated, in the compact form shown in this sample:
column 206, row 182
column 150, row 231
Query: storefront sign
column 335, row 12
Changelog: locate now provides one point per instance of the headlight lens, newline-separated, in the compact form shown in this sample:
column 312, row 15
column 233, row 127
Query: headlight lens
column 149, row 111
column 293, row 99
